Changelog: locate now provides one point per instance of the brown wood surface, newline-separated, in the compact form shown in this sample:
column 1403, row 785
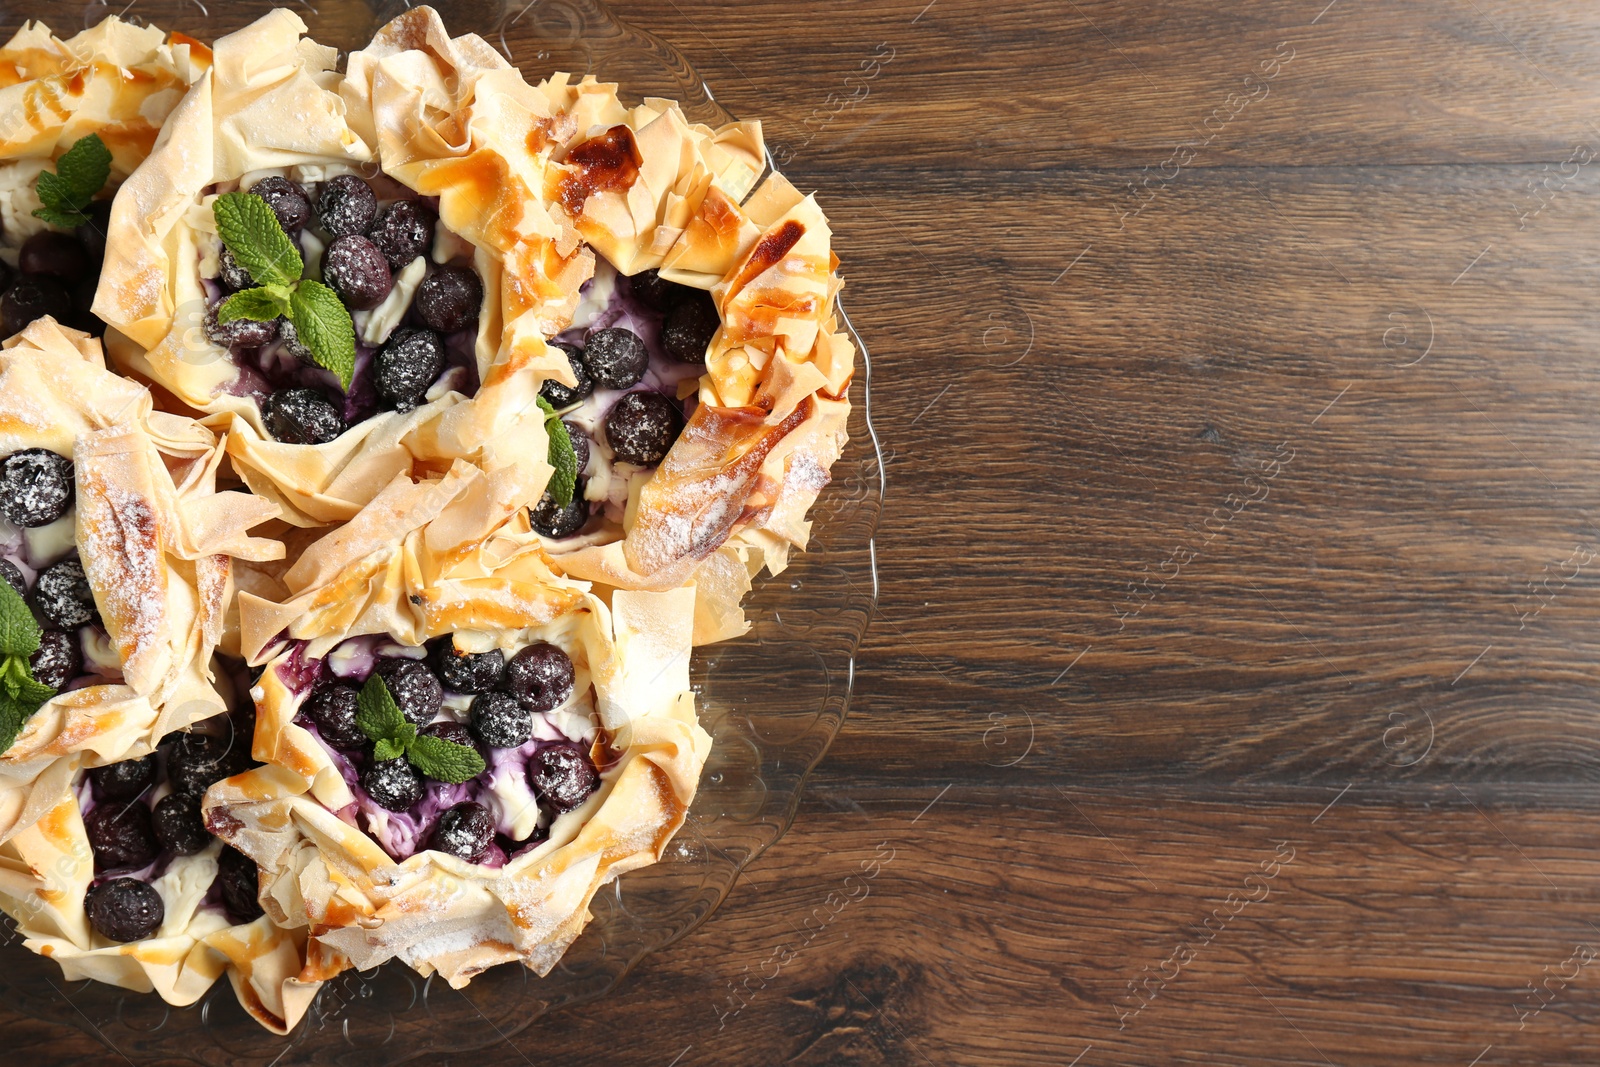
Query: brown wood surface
column 1233, row 697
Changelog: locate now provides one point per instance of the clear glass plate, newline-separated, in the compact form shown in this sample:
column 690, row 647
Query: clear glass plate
column 772, row 700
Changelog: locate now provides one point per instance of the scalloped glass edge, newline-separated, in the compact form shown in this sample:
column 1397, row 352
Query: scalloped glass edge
column 773, row 701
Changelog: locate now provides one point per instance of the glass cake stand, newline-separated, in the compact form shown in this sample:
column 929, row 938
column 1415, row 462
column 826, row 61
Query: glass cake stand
column 772, row 700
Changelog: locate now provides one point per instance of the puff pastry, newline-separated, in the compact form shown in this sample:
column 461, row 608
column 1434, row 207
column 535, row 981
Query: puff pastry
column 155, row 541
column 431, row 563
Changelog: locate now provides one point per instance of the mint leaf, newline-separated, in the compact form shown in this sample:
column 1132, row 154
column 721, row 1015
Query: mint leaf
column 67, row 220
column 251, row 232
column 376, row 712
column 386, row 749
column 324, row 326
column 13, row 717
column 564, row 482
column 19, row 634
column 81, row 172
column 20, row 696
column 262, row 304
column 444, row 761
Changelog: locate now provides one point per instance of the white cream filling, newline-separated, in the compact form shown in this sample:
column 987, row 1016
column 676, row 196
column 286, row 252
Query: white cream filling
column 375, row 326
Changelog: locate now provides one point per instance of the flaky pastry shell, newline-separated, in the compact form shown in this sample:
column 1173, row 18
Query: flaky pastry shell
column 272, row 105
column 421, row 561
column 156, row 540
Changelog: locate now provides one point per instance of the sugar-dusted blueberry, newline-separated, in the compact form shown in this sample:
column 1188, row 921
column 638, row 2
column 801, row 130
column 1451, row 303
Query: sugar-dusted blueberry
column 239, row 333
column 560, row 520
column 124, row 909
column 652, row 290
column 289, row 337
column 333, row 708
column 580, row 445
column 563, row 775
column 301, row 417
column 31, row 297
column 119, row 832
column 500, row 721
column 403, row 232
column 240, row 881
column 689, row 326
column 36, row 487
column 616, row 357
column 449, row 299
column 407, row 364
column 415, row 689
column 196, row 762
column 564, row 396
column 60, row 255
column 540, row 676
column 641, row 426
column 178, row 824
column 393, row 784
column 13, row 576
column 465, row 672
column 465, row 831
column 448, row 730
column 355, row 269
column 346, row 205
column 288, row 201
column 234, row 276
column 63, row 596
column 123, row 781
column 58, row 660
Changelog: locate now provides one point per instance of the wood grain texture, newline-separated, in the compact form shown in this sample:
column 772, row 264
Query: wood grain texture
column 1241, row 462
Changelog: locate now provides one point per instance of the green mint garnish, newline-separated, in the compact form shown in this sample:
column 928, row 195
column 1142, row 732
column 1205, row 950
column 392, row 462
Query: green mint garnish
column 379, row 718
column 564, row 482
column 20, row 693
column 250, row 230
column 81, row 172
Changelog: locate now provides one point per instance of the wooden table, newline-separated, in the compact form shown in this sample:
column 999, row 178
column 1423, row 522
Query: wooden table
column 1233, row 693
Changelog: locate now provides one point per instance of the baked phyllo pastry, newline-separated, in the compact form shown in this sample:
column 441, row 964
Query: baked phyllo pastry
column 99, row 100
column 121, row 882
column 459, row 746
column 116, row 551
column 268, row 265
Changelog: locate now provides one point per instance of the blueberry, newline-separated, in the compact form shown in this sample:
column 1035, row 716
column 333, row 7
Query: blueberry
column 240, row 333
column 196, row 762
column 233, row 275
column 687, row 331
column 563, row 775
column 57, row 254
column 36, row 487
column 240, row 881
column 448, row 730
column 124, row 909
column 540, row 676
column 83, row 316
column 346, row 205
column 58, row 660
column 33, row 297
column 500, row 721
column 465, row 831
column 616, row 357
column 333, row 708
column 93, row 233
column 407, row 364
column 301, row 417
column 120, row 834
column 466, row 672
column 449, row 299
column 290, row 339
column 557, row 521
column 178, row 824
column 63, row 596
column 580, row 445
column 640, row 427
column 13, row 576
column 393, row 784
column 355, row 269
column 650, row 289
column 287, row 200
column 5, row 277
column 414, row 688
column 403, row 232
column 125, row 780
column 564, row 396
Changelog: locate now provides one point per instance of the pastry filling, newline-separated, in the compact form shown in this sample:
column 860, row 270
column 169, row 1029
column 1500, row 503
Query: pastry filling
column 153, row 857
column 407, row 283
column 529, row 714
column 54, row 272
column 637, row 347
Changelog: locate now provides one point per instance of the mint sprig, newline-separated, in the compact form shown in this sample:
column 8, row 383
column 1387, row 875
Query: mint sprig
column 564, row 482
column 81, row 172
column 251, row 231
column 392, row 736
column 21, row 694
